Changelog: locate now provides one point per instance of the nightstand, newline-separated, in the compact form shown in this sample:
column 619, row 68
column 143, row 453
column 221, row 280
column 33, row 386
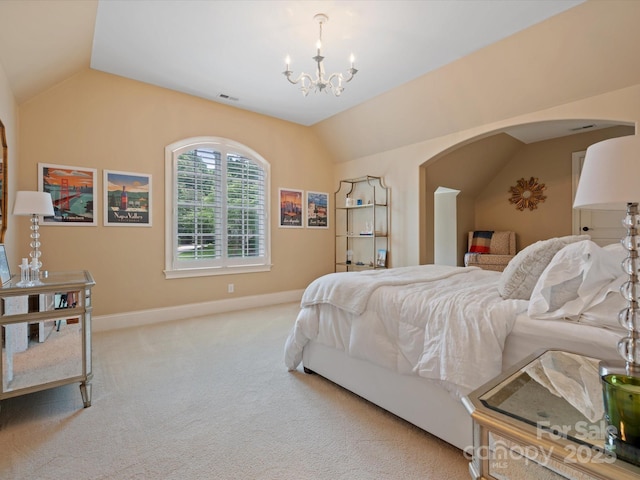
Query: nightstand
column 64, row 356
column 543, row 419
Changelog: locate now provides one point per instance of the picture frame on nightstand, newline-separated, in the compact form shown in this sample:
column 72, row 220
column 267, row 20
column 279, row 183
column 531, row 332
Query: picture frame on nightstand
column 5, row 271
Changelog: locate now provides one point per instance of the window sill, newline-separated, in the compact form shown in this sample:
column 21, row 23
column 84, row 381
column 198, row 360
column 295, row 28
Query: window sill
column 209, row 272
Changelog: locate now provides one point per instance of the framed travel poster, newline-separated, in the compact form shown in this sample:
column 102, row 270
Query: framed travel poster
column 127, row 199
column 291, row 211
column 73, row 191
column 317, row 210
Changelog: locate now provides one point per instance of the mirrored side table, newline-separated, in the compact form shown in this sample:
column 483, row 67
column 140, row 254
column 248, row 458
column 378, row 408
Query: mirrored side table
column 543, row 419
column 46, row 334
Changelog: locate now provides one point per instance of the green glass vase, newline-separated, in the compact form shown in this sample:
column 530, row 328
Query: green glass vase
column 622, row 412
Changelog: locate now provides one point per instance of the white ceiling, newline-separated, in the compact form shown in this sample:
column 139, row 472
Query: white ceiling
column 237, row 48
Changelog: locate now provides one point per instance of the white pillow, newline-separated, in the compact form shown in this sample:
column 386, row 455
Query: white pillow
column 604, row 311
column 574, row 278
column 522, row 272
column 618, row 250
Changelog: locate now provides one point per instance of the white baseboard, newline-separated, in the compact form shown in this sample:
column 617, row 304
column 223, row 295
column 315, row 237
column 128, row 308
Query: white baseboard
column 146, row 317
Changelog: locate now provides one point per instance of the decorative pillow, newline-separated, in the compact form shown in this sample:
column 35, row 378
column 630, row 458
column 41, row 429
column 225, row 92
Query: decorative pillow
column 573, row 279
column 521, row 274
column 481, row 241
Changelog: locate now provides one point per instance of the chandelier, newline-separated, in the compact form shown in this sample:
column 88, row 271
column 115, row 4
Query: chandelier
column 320, row 84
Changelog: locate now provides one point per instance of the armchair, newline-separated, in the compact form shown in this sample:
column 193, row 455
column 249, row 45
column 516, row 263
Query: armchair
column 490, row 250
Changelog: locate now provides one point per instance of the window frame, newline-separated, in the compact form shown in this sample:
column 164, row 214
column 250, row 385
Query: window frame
column 226, row 265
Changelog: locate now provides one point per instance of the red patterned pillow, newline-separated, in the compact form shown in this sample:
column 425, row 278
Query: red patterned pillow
column 481, row 241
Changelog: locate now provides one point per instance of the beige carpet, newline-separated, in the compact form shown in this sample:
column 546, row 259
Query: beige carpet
column 210, row 398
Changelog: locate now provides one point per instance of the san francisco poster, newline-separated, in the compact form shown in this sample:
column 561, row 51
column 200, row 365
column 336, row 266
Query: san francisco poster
column 73, row 191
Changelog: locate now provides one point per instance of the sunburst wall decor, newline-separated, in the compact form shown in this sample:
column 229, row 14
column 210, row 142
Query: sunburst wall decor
column 527, row 194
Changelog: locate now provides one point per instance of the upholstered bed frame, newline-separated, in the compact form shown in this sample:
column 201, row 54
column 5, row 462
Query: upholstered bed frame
column 422, row 403
column 426, row 403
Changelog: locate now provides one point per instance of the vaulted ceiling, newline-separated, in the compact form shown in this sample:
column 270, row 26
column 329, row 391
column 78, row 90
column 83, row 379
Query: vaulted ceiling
column 233, row 51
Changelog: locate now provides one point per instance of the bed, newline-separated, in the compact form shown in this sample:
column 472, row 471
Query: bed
column 416, row 340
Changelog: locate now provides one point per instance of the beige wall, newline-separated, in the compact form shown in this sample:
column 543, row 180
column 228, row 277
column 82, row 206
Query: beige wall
column 550, row 162
column 469, row 168
column 107, row 122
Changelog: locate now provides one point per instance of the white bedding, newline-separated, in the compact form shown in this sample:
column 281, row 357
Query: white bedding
column 443, row 323
column 450, row 324
column 350, row 291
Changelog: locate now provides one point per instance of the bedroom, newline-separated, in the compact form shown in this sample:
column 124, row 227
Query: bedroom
column 105, row 121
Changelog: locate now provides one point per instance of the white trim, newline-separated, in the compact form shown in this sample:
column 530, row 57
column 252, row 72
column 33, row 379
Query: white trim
column 226, row 146
column 209, row 272
column 576, row 167
column 105, row 323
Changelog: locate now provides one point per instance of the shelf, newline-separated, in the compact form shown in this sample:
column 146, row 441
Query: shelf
column 377, row 235
column 368, row 205
column 372, row 215
column 361, row 267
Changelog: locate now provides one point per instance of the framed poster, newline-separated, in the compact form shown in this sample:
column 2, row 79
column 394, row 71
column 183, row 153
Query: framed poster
column 127, row 199
column 291, row 208
column 73, row 191
column 317, row 210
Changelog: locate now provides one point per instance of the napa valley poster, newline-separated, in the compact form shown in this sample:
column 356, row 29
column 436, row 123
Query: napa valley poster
column 127, row 199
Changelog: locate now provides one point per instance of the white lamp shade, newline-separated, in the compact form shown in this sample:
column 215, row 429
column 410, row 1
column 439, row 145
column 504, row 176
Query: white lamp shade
column 33, row 203
column 610, row 175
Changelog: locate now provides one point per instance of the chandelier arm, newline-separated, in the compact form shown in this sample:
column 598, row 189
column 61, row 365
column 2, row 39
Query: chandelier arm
column 302, row 76
column 334, row 76
column 352, row 71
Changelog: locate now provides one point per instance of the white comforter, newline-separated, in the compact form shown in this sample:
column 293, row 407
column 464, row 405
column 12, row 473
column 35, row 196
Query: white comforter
column 443, row 323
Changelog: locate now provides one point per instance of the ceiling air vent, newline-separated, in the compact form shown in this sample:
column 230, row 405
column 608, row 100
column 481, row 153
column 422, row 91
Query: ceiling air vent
column 224, row 96
column 583, row 127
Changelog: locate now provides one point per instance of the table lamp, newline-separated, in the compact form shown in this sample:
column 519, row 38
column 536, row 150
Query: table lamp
column 610, row 180
column 33, row 204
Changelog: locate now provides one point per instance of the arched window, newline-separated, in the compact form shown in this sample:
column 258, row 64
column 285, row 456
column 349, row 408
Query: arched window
column 217, row 195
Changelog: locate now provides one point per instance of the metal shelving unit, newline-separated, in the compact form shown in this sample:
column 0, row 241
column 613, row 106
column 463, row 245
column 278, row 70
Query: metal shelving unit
column 362, row 224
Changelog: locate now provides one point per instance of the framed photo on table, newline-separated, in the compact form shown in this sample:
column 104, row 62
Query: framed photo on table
column 73, row 191
column 5, row 271
column 381, row 258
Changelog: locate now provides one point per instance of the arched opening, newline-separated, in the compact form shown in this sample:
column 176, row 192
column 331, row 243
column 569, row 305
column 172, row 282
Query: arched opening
column 484, row 168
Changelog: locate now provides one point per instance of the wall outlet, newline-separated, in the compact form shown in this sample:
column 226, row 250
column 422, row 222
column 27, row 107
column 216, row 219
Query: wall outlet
column 230, row 288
